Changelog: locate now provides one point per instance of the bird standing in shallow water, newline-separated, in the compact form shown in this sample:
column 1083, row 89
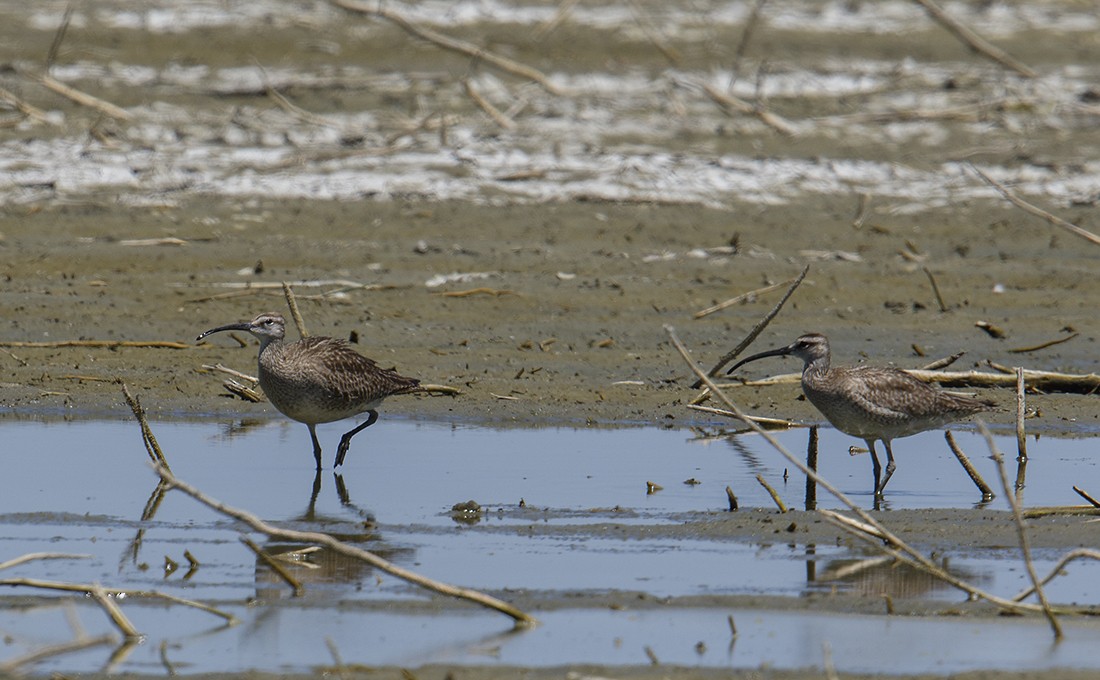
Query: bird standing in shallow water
column 871, row 403
column 318, row 379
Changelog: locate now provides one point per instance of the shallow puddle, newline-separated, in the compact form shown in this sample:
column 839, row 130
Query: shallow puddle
column 83, row 487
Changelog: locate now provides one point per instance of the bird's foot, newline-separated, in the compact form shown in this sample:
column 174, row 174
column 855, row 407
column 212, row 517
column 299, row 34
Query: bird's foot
column 342, row 450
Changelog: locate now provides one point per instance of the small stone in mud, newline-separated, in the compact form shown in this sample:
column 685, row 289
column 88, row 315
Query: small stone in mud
column 469, row 508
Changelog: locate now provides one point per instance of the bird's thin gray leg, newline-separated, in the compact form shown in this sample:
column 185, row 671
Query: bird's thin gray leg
column 890, row 466
column 875, row 465
column 345, row 441
column 316, row 444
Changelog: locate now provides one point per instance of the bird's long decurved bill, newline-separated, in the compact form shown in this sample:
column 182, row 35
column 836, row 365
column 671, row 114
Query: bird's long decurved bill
column 230, row 327
column 780, row 352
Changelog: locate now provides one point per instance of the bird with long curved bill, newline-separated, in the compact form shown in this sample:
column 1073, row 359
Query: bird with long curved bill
column 871, row 403
column 319, row 380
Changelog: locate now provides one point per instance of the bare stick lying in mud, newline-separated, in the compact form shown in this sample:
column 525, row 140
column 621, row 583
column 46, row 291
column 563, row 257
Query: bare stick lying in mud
column 1056, row 570
column 935, row 289
column 82, row 98
column 1021, row 531
column 756, row 330
column 151, row 445
column 30, row 557
column 24, row 108
column 975, row 476
column 106, row 598
column 769, row 423
column 1042, row 345
column 292, row 304
column 274, row 565
column 498, row 116
column 773, row 493
column 882, row 538
column 11, row 667
column 521, row 618
column 973, row 40
column 105, row 344
column 1035, row 210
column 738, row 299
column 1076, row 489
column 737, row 105
column 1047, row 381
column 453, row 44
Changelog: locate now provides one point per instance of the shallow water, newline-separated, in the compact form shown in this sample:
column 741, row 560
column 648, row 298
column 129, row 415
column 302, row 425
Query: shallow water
column 82, row 486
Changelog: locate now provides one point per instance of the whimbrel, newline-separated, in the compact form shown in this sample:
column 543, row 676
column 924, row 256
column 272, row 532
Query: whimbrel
column 318, row 379
column 871, row 403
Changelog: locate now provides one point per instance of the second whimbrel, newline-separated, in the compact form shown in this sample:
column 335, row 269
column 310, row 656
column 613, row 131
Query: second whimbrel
column 874, row 404
column 318, row 379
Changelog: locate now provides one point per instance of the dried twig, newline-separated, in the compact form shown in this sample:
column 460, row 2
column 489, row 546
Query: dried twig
column 82, row 98
column 25, row 108
column 275, row 566
column 1021, row 531
column 12, row 666
column 30, row 557
column 1021, row 437
column 737, row 105
column 521, row 618
column 236, row 374
column 768, row 423
column 973, row 40
column 487, row 106
column 452, row 44
column 288, row 292
column 1079, row 491
column 1035, row 210
column 975, row 476
column 811, row 462
column 1043, row 345
column 758, row 328
column 151, row 445
column 773, row 493
column 740, row 298
column 935, row 289
column 105, row 344
column 1079, row 553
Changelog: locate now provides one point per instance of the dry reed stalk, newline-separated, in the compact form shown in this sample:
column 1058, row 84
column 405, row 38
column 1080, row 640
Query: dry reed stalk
column 1076, row 489
column 758, row 328
column 11, row 666
column 1035, row 210
column 737, row 105
column 975, row 476
column 30, row 557
column 82, row 98
column 973, row 40
column 770, row 423
column 520, row 618
column 1079, row 553
column 904, row 552
column 1021, row 532
column 935, row 289
column 147, row 437
column 739, row 299
column 773, row 493
column 279, row 569
column 106, row 344
column 292, row 303
column 487, row 106
column 1043, row 345
column 23, row 107
column 452, row 44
